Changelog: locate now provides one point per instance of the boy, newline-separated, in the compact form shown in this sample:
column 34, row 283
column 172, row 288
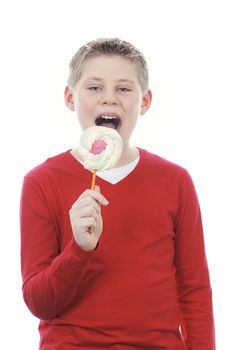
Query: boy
column 124, row 268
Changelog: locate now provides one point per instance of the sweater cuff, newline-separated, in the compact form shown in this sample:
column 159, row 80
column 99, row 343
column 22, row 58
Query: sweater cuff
column 77, row 250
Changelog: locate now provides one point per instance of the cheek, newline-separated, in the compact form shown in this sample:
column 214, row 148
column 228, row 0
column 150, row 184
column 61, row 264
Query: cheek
column 83, row 102
column 134, row 107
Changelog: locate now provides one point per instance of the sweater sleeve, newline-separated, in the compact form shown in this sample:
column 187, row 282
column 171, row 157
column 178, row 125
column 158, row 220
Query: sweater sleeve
column 51, row 278
column 193, row 284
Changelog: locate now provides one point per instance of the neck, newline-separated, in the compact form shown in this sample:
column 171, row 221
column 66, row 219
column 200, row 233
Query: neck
column 129, row 154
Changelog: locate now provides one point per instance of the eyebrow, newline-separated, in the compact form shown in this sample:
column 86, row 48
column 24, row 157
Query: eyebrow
column 117, row 80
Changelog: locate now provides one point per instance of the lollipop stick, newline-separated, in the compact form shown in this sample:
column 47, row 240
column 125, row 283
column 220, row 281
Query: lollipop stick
column 93, row 180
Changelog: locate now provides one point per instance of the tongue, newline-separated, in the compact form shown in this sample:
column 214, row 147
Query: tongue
column 98, row 147
column 109, row 125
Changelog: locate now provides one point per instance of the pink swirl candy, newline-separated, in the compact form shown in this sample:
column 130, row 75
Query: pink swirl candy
column 98, row 147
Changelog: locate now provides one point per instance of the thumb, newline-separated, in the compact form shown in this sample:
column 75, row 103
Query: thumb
column 97, row 188
column 101, row 199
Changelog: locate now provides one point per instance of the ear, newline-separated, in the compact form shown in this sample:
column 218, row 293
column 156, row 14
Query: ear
column 146, row 102
column 69, row 100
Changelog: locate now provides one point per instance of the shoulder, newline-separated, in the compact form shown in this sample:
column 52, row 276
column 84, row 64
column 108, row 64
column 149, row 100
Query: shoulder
column 49, row 167
column 161, row 165
column 164, row 172
column 167, row 174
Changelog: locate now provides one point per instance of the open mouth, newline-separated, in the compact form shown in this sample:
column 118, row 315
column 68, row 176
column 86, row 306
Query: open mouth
column 108, row 121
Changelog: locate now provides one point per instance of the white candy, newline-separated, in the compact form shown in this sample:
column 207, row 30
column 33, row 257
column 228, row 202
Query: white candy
column 108, row 157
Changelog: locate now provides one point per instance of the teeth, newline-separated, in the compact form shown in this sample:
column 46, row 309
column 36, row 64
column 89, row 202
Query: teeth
column 108, row 117
column 110, row 120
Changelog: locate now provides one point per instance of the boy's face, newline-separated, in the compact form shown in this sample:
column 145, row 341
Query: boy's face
column 108, row 93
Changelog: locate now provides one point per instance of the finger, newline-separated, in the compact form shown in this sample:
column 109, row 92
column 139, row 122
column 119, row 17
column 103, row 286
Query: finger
column 86, row 225
column 88, row 211
column 86, row 202
column 97, row 196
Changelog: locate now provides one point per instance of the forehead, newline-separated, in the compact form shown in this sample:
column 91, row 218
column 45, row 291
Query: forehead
column 110, row 67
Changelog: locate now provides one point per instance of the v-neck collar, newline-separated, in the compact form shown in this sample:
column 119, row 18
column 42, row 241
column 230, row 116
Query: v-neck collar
column 76, row 164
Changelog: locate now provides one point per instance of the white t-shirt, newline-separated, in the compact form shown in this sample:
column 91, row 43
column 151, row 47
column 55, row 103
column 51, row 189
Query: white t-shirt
column 117, row 174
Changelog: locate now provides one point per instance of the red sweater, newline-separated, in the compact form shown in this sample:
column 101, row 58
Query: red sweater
column 148, row 275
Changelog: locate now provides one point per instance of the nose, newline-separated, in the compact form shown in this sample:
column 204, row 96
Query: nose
column 109, row 98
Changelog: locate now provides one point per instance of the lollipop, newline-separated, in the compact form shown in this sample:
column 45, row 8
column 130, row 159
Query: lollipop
column 100, row 148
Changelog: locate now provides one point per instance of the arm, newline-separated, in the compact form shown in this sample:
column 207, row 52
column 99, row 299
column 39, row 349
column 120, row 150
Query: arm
column 193, row 285
column 51, row 278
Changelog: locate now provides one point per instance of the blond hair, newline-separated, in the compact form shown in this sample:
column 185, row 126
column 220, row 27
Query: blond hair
column 108, row 47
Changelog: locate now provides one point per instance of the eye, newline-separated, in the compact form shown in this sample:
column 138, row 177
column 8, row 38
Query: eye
column 123, row 89
column 94, row 88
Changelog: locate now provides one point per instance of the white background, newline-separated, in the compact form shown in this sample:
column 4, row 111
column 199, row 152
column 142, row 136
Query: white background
column 188, row 46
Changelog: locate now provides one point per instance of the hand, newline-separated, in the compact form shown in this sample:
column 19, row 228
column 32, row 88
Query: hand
column 86, row 220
